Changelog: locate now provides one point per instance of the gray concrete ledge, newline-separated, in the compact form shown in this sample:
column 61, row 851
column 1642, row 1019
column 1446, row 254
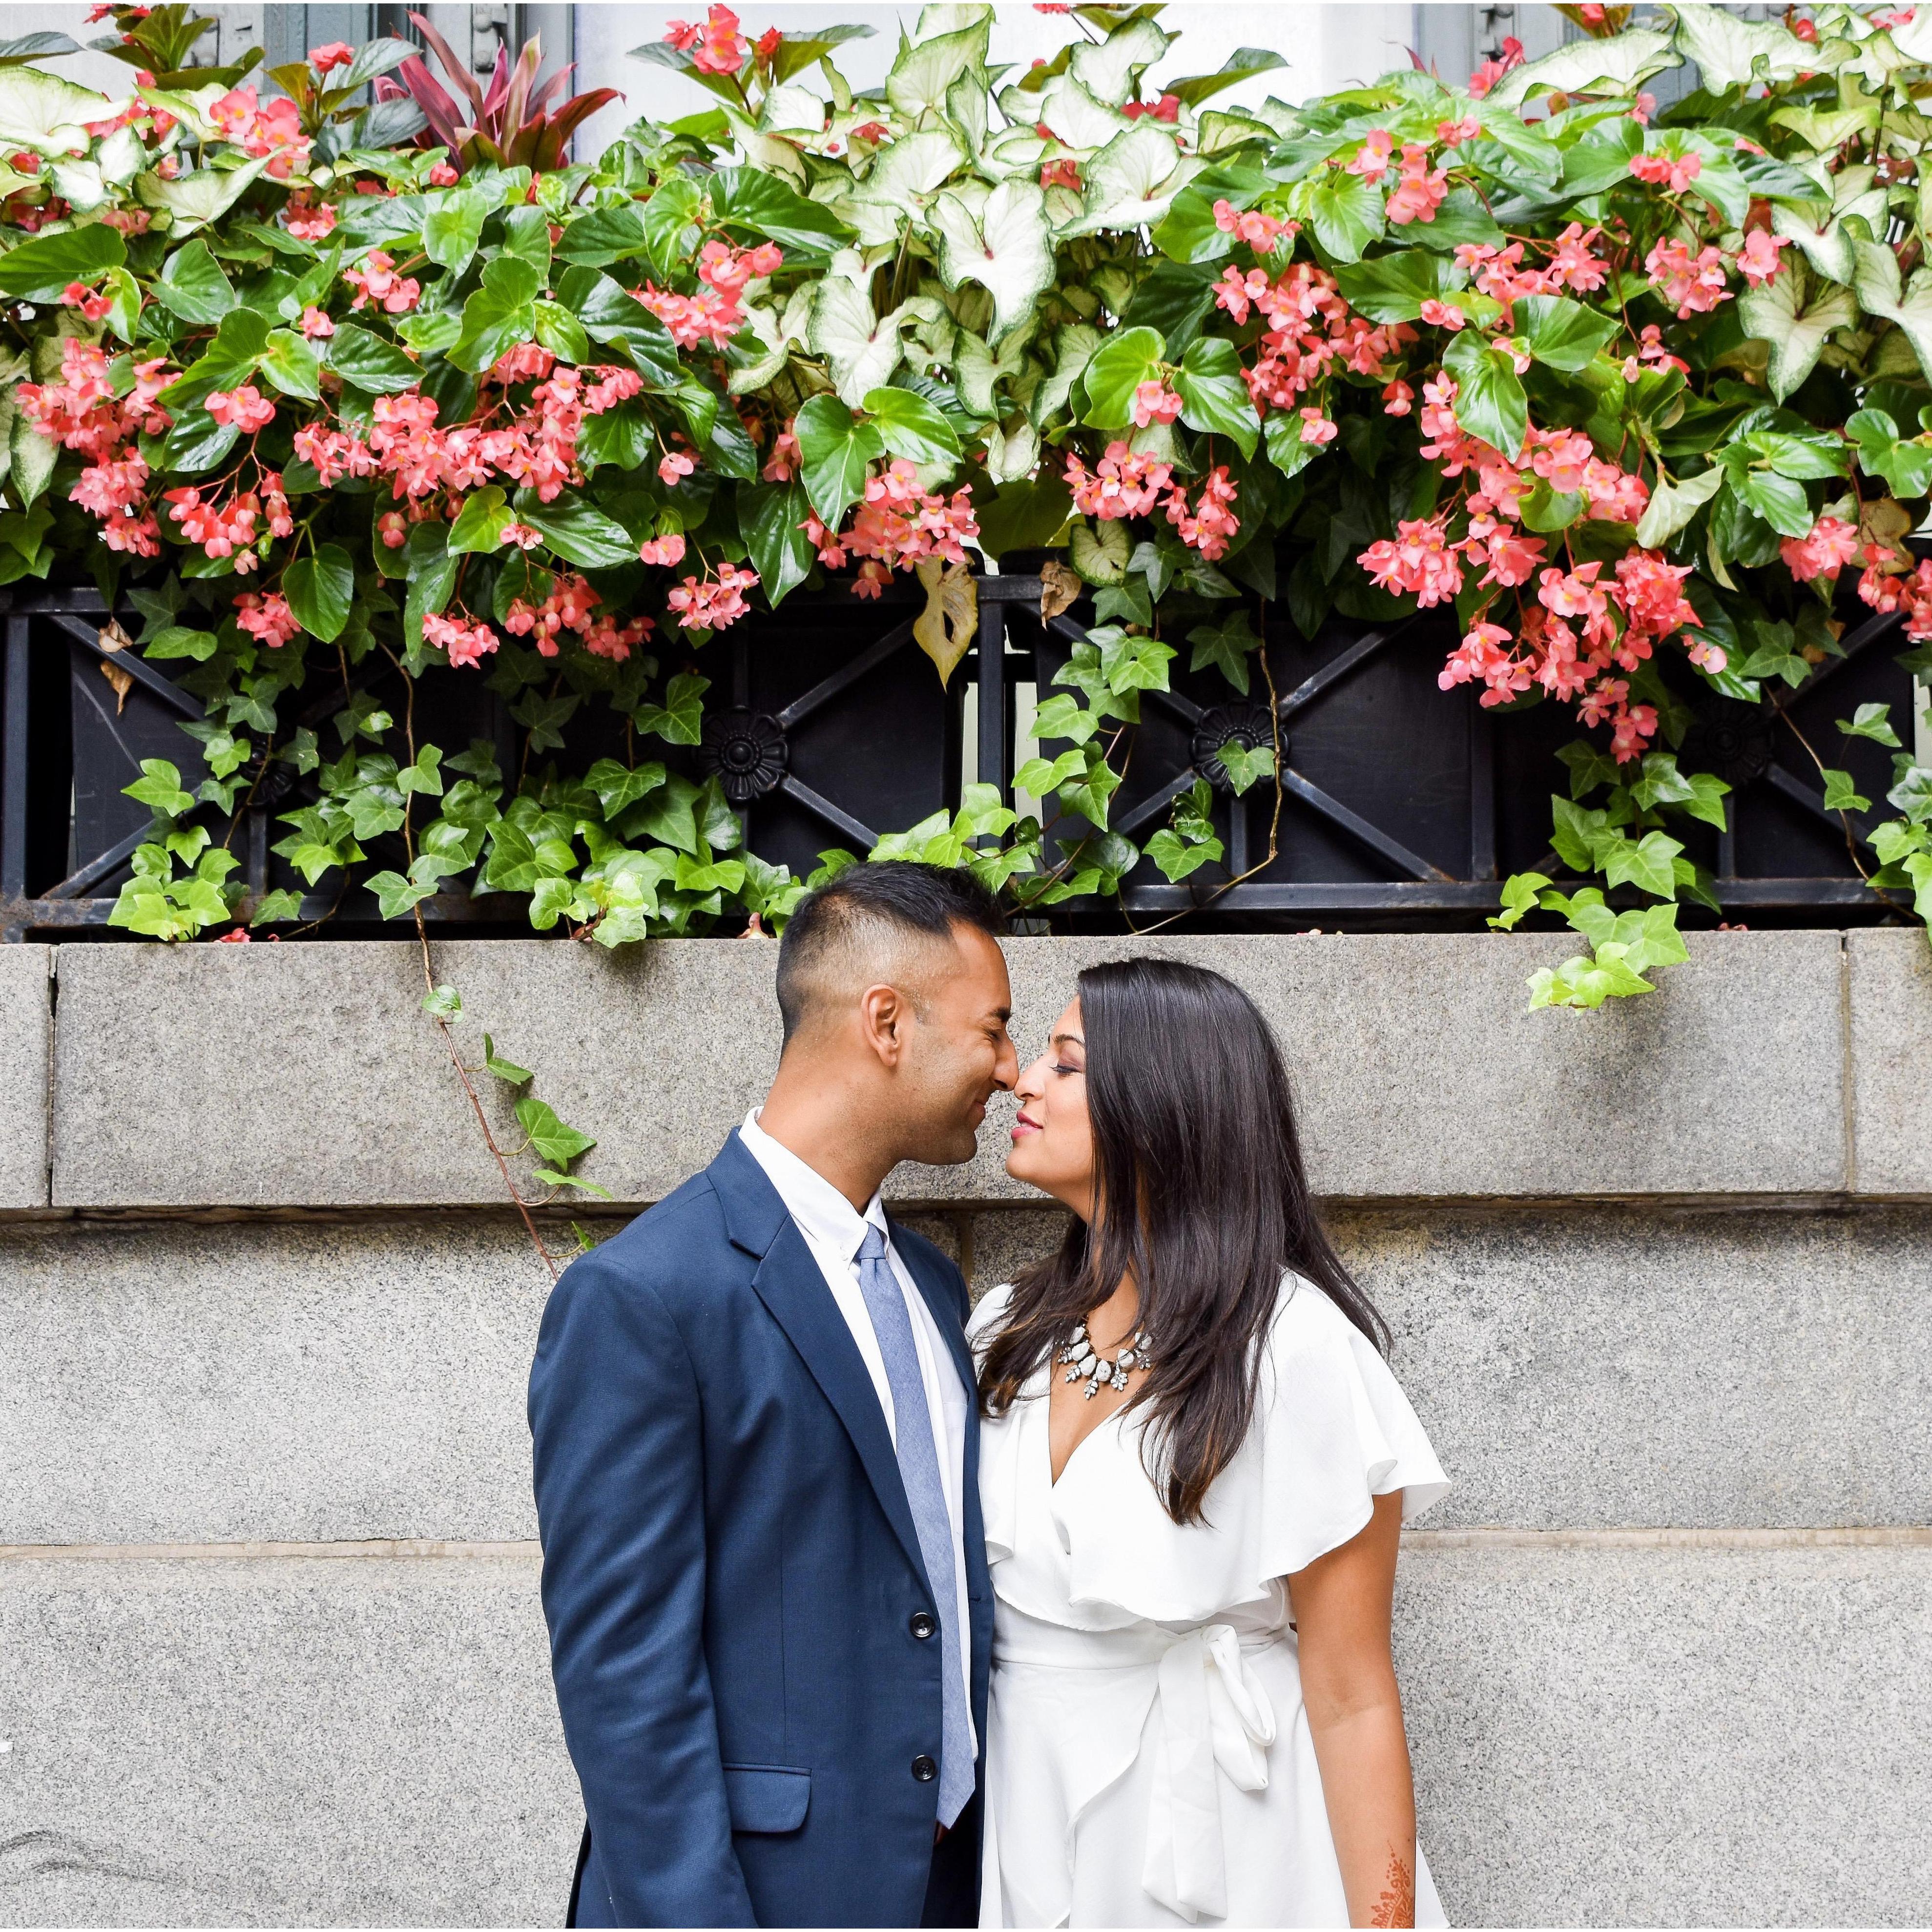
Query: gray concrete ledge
column 257, row 1382
column 306, row 1075
column 1891, row 989
column 26, row 1038
column 1600, row 1737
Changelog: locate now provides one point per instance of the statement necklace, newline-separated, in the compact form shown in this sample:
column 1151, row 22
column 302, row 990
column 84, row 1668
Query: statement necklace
column 1084, row 1360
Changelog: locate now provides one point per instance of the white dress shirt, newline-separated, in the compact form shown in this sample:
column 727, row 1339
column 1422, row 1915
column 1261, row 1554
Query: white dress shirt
column 835, row 1231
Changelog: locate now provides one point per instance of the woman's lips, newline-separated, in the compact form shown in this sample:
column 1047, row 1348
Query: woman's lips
column 1021, row 1125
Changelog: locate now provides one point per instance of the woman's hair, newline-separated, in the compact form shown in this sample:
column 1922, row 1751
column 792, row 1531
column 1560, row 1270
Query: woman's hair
column 1193, row 1126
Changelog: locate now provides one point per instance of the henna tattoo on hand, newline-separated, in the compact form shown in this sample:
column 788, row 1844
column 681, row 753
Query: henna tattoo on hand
column 1396, row 1905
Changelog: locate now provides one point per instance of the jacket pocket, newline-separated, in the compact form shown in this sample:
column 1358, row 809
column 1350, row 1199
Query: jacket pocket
column 766, row 1797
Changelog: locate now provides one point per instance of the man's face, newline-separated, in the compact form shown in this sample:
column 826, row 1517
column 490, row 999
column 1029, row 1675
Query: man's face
column 959, row 1053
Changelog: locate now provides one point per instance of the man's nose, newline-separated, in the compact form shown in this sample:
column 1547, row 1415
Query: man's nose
column 1007, row 1067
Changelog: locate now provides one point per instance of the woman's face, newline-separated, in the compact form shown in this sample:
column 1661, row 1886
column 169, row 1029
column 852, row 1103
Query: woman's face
column 1053, row 1139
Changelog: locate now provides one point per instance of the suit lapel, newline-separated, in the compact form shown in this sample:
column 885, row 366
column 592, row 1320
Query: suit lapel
column 792, row 1287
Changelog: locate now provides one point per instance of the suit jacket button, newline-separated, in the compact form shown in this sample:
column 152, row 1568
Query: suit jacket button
column 924, row 1769
column 924, row 1625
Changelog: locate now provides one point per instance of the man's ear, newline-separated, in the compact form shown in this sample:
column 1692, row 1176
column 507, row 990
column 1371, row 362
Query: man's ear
column 884, row 1015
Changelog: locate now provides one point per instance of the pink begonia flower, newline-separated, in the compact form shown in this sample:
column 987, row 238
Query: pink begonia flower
column 337, row 53
column 394, row 529
column 782, row 464
column 1695, row 283
column 1676, row 171
column 1421, row 191
column 266, row 618
column 316, row 322
column 1316, row 428
column 716, row 47
column 1154, row 402
column 1823, row 551
column 1758, row 258
column 1453, row 134
column 665, row 550
column 1442, row 315
column 377, row 281
column 1491, row 71
column 245, row 407
column 1398, row 399
column 442, row 175
column 1123, row 484
column 521, row 534
column 674, row 468
column 711, row 604
column 1371, row 163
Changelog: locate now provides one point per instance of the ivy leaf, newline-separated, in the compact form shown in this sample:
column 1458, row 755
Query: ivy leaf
column 679, row 720
column 1119, row 367
column 1227, row 647
column 1560, row 334
column 550, row 1178
column 1644, row 863
column 1490, row 401
column 1062, row 716
column 1842, row 794
column 1519, row 896
column 1177, row 859
column 443, row 1002
column 159, row 788
column 321, row 590
column 505, row 1070
column 834, row 450
column 1130, row 662
column 276, row 906
column 1872, row 721
column 1214, row 396
column 557, row 1144
column 1245, row 765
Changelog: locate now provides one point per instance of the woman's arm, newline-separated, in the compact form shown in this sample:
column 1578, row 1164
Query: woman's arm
column 1342, row 1604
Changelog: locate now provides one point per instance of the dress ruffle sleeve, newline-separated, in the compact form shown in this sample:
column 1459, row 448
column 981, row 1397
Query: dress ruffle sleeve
column 999, row 1448
column 1332, row 1431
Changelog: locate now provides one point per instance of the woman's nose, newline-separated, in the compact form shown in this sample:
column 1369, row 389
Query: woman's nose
column 1032, row 1082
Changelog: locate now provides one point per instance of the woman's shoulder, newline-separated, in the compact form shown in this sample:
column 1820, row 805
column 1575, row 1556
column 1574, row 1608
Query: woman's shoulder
column 989, row 1313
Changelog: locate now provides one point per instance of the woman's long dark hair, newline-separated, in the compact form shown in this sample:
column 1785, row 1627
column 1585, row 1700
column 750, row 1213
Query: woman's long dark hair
column 1192, row 1120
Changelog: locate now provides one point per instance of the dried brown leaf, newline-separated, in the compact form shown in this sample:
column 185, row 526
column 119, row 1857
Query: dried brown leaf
column 113, row 638
column 944, row 629
column 123, row 682
column 1060, row 588
column 1883, row 521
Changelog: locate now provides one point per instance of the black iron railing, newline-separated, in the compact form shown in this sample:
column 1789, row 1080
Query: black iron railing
column 1402, row 805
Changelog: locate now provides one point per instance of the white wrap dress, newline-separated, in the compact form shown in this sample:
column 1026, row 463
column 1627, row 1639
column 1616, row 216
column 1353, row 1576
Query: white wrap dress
column 1149, row 1762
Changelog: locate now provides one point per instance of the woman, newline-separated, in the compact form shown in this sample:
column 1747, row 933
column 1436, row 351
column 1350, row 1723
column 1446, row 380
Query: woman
column 1195, row 1467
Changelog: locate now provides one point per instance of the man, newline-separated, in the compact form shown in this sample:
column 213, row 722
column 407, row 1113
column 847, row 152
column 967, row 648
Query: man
column 757, row 1465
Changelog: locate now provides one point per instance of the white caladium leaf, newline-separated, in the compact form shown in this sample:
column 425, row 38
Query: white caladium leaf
column 121, row 157
column 1005, row 247
column 763, row 151
column 1078, row 118
column 1795, row 316
column 775, row 343
column 1075, row 350
column 862, row 351
column 793, row 110
column 1824, row 238
column 197, row 199
column 80, row 182
column 1221, row 129
column 1618, row 65
column 926, row 68
column 976, row 369
column 966, row 108
column 1876, row 282
column 1730, row 52
column 1011, row 453
column 1111, row 69
column 44, row 113
column 1131, row 182
column 903, row 180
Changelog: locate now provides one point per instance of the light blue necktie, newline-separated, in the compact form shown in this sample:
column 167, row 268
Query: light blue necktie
column 919, row 1470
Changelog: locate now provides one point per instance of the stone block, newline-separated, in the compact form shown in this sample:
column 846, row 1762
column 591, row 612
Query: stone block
column 1890, row 1002
column 1670, row 1736
column 26, row 1028
column 173, row 1381
column 331, row 1742
column 305, row 1076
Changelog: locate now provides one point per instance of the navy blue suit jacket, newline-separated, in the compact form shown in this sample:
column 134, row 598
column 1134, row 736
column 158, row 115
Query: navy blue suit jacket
column 731, row 1575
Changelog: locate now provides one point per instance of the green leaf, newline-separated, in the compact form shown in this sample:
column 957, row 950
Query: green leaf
column 1347, row 214
column 746, row 197
column 550, row 1178
column 1130, row 662
column 1099, row 553
column 680, row 719
column 613, row 316
column 191, row 284
column 835, row 449
column 1906, row 466
column 1490, row 400
column 619, row 787
column 1875, row 280
column 321, row 591
column 1393, row 288
column 501, row 314
column 1779, row 500
column 278, row 906
column 452, row 229
column 1644, row 863
column 367, row 363
column 174, row 640
column 1213, row 397
column 562, row 334
column 577, row 530
column 443, row 1002
column 1519, row 896
column 159, row 788
column 1560, row 334
column 1842, row 794
column 1672, row 505
column 1872, row 721
column 1119, row 367
column 771, row 519
column 39, row 270
column 506, row 1070
column 480, row 524
column 557, row 1144
column 292, row 365
column 1227, row 646
column 913, row 427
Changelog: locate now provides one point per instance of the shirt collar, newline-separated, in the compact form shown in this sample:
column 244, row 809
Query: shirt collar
column 823, row 1214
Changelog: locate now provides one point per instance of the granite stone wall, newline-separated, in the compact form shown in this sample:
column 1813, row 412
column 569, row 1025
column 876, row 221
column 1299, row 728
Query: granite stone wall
column 1660, row 1279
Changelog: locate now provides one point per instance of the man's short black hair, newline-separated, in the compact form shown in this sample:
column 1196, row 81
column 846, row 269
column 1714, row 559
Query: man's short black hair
column 897, row 897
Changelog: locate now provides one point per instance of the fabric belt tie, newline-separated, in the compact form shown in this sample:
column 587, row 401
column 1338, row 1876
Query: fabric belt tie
column 1213, row 1714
